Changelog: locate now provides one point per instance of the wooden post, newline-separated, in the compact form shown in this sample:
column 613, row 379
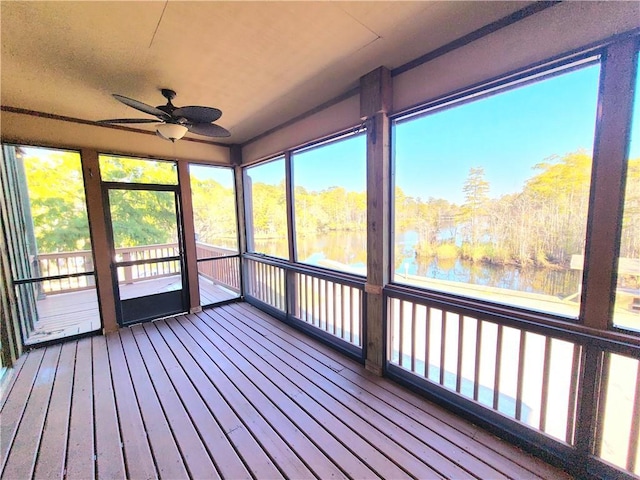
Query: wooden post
column 603, row 227
column 236, row 160
column 375, row 104
column 607, row 178
column 99, row 239
column 189, row 235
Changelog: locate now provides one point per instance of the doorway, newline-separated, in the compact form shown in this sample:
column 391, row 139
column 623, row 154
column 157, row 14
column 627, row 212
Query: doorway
column 147, row 250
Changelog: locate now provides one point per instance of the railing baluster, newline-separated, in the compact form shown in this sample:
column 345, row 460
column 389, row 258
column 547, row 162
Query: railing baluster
column 443, row 344
column 413, row 336
column 354, row 314
column 335, row 307
column 459, row 364
column 573, row 394
column 545, row 383
column 313, row 300
column 476, row 373
column 326, row 305
column 309, row 293
column 318, row 295
column 634, row 433
column 602, row 403
column 401, row 333
column 520, row 380
column 498, row 369
column 342, row 301
column 271, row 280
column 427, row 339
column 360, row 315
column 298, row 307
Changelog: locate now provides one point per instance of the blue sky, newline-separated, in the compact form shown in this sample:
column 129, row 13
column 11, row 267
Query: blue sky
column 506, row 134
column 222, row 175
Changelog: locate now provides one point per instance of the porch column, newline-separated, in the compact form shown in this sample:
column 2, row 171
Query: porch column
column 375, row 105
column 189, row 233
column 99, row 242
column 236, row 161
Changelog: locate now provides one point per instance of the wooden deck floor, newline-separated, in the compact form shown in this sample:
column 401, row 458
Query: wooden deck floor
column 66, row 314
column 231, row 393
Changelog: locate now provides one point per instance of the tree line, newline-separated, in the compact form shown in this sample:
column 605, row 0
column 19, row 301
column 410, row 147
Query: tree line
column 541, row 225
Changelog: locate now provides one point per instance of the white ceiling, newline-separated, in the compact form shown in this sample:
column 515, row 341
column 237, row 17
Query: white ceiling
column 261, row 63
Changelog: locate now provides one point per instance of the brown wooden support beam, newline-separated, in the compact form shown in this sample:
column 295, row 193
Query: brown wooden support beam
column 238, row 174
column 189, row 234
column 99, row 239
column 607, row 180
column 375, row 103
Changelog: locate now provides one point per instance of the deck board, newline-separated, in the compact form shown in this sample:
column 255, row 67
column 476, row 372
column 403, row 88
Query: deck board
column 248, row 449
column 109, row 457
column 196, row 456
column 53, row 449
column 363, row 417
column 20, row 461
column 231, row 392
column 168, row 458
column 138, row 457
column 66, row 314
column 80, row 462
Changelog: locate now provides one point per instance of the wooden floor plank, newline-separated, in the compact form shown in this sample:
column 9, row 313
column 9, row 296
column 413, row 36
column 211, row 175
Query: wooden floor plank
column 109, row 455
column 290, row 400
column 406, row 450
column 279, row 451
column 452, row 443
column 252, row 453
column 194, row 453
column 309, row 452
column 53, row 448
column 388, row 460
column 81, row 446
column 168, row 458
column 234, row 393
column 20, row 461
column 137, row 452
column 227, row 460
column 7, row 383
column 15, row 404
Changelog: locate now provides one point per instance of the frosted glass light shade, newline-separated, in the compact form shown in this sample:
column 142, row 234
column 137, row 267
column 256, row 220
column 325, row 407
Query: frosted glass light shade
column 171, row 131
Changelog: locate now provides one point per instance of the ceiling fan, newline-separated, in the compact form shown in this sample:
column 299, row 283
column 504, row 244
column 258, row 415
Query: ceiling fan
column 175, row 121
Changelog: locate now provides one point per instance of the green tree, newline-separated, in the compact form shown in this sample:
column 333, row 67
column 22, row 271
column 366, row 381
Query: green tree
column 474, row 209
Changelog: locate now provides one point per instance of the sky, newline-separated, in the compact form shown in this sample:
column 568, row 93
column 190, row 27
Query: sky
column 506, row 134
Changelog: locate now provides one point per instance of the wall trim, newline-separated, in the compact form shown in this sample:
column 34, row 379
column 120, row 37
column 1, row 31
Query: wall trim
column 63, row 118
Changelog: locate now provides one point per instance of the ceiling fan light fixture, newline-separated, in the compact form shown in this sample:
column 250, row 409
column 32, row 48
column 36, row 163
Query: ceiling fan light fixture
column 171, row 131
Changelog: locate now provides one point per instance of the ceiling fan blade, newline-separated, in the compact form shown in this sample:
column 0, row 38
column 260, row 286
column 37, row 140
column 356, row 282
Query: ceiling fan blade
column 208, row 130
column 128, row 120
column 195, row 114
column 143, row 107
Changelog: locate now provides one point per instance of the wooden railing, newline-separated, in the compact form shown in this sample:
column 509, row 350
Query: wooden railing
column 64, row 263
column 325, row 301
column 531, row 373
column 224, row 271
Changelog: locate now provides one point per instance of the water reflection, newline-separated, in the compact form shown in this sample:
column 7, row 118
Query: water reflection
column 347, row 251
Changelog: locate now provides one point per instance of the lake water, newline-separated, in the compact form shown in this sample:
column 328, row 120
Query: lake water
column 349, row 248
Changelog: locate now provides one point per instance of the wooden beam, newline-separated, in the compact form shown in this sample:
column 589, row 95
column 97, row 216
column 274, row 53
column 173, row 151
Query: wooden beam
column 238, row 174
column 375, row 103
column 189, row 235
column 99, row 239
column 607, row 183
